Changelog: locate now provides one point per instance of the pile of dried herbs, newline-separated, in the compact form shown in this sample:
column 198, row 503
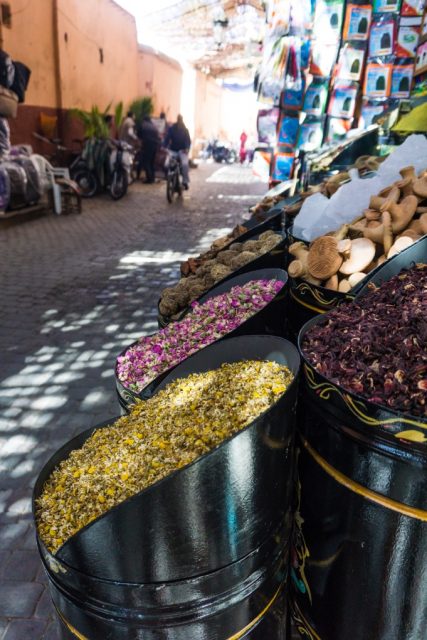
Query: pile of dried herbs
column 377, row 347
column 215, row 318
column 233, row 257
column 187, row 419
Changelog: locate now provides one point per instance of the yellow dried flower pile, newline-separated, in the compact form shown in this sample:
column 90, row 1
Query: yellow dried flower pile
column 187, row 419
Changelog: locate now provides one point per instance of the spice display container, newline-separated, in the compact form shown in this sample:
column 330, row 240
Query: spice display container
column 202, row 553
column 270, row 320
column 274, row 258
column 271, row 219
column 359, row 549
column 307, row 300
column 247, row 600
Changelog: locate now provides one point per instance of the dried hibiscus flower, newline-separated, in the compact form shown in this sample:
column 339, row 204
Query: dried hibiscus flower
column 376, row 347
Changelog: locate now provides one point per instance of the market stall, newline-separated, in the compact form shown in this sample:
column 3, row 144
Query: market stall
column 238, row 486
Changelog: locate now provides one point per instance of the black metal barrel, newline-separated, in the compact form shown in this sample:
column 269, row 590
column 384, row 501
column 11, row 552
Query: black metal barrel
column 270, row 320
column 201, row 554
column 271, row 219
column 359, row 555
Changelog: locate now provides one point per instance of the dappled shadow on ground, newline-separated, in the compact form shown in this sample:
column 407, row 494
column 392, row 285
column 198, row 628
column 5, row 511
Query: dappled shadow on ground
column 77, row 290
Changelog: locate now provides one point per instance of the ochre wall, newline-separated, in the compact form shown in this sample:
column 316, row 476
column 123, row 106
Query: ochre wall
column 207, row 116
column 31, row 41
column 71, row 74
column 84, row 28
column 161, row 78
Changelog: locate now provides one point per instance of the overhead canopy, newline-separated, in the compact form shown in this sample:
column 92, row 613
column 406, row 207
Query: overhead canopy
column 220, row 37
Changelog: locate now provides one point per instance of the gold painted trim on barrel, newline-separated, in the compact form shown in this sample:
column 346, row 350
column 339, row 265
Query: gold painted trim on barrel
column 305, row 304
column 251, row 624
column 359, row 409
column 236, row 636
column 70, row 627
column 306, row 629
column 305, row 287
column 388, row 503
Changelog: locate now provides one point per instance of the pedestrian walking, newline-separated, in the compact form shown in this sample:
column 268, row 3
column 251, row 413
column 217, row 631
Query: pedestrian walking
column 242, row 151
column 150, row 139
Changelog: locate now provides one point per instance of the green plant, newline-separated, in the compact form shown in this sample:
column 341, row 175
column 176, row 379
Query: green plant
column 94, row 121
column 119, row 115
column 142, row 107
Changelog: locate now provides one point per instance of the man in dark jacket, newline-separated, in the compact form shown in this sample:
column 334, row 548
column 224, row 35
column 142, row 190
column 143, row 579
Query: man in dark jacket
column 150, row 139
column 178, row 140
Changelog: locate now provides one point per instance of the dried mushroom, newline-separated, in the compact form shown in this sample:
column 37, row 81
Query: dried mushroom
column 401, row 243
column 362, row 253
column 323, row 258
column 420, row 187
column 397, row 212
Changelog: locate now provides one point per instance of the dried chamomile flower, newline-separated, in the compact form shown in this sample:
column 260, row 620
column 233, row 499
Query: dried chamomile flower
column 188, row 418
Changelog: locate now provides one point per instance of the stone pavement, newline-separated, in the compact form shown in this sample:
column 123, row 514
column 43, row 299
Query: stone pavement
column 75, row 290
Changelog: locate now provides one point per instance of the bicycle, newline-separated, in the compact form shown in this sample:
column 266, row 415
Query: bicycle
column 173, row 177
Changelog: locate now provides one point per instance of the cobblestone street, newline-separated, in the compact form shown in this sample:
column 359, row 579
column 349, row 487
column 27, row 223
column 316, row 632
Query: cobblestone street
column 75, row 290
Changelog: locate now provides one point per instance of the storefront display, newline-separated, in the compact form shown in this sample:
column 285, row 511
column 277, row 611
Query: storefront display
column 131, row 502
column 361, row 63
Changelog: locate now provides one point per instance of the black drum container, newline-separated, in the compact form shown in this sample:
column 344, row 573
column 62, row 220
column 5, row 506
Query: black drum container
column 262, row 221
column 202, row 554
column 271, row 320
column 359, row 554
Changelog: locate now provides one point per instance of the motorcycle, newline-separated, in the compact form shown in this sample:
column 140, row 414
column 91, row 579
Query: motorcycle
column 220, row 152
column 104, row 164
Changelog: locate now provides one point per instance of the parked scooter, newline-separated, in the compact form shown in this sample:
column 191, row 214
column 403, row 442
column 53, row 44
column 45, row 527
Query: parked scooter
column 104, row 164
column 223, row 152
column 220, row 152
